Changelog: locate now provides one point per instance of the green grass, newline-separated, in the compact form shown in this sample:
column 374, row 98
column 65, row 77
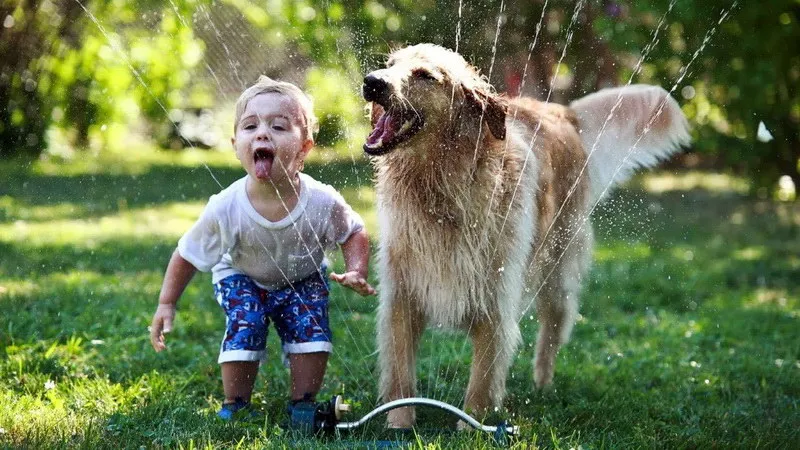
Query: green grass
column 689, row 335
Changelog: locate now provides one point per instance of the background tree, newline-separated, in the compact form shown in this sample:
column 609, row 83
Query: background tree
column 87, row 65
column 91, row 67
column 32, row 30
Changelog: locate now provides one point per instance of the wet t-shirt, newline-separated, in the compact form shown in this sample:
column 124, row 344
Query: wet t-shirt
column 231, row 237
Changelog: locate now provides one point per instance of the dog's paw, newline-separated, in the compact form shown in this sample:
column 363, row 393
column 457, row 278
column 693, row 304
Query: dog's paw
column 400, row 418
column 543, row 374
column 462, row 426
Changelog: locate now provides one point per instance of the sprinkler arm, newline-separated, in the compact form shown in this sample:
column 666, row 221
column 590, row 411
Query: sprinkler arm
column 418, row 401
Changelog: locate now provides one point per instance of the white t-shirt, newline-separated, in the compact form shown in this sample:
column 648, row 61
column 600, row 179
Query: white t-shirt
column 231, row 237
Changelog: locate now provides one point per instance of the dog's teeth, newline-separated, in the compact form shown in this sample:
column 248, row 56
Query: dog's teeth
column 405, row 127
column 377, row 144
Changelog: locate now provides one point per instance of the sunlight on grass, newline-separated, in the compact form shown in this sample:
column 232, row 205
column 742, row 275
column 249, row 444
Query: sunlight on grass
column 170, row 220
column 639, row 250
column 779, row 298
column 11, row 207
column 132, row 161
column 84, row 281
column 666, row 182
column 682, row 252
column 750, row 253
column 86, row 285
column 16, row 288
column 139, row 159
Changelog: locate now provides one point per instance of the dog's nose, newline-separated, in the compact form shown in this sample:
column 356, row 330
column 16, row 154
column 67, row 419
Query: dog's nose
column 375, row 89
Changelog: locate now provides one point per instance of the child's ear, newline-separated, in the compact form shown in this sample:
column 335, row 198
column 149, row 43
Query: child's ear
column 307, row 146
column 233, row 142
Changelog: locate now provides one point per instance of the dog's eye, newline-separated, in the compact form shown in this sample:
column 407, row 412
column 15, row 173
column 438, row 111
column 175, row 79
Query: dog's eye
column 423, row 74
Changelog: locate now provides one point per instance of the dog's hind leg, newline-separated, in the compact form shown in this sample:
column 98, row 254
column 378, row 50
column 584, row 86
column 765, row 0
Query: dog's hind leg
column 555, row 310
column 400, row 326
column 557, row 306
column 494, row 341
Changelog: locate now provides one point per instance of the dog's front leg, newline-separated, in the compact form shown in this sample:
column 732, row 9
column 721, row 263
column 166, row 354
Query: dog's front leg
column 400, row 325
column 494, row 341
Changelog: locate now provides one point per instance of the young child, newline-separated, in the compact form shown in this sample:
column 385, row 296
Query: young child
column 263, row 238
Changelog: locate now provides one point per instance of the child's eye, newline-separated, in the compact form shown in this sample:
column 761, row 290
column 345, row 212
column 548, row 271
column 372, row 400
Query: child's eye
column 278, row 127
column 250, row 127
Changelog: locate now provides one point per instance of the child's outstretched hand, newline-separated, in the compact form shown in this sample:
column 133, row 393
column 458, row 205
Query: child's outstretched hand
column 354, row 281
column 162, row 323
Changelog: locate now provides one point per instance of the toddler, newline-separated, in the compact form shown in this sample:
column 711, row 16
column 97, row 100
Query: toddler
column 263, row 239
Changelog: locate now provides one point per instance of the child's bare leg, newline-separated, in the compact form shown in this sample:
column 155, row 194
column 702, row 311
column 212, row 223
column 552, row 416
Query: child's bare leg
column 238, row 378
column 307, row 372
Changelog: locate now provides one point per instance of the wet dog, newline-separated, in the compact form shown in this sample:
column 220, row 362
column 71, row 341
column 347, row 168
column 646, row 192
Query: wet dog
column 483, row 204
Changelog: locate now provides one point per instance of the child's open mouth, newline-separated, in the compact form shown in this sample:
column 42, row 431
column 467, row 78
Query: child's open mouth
column 263, row 162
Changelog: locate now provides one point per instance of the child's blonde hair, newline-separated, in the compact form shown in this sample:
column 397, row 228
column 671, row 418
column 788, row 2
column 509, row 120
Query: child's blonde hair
column 266, row 84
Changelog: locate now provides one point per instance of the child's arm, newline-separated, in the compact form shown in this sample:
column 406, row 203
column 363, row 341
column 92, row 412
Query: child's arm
column 356, row 260
column 179, row 273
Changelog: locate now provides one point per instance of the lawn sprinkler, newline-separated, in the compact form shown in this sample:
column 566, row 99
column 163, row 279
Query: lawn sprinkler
column 313, row 417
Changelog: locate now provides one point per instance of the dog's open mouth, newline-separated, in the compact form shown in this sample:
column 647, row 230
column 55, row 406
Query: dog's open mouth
column 262, row 160
column 392, row 128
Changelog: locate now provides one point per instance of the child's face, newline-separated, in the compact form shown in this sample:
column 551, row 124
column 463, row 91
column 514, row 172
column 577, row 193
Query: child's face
column 270, row 138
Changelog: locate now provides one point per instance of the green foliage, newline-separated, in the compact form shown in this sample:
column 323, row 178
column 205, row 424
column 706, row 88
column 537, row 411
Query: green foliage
column 89, row 69
column 92, row 71
column 337, row 104
column 687, row 336
column 735, row 64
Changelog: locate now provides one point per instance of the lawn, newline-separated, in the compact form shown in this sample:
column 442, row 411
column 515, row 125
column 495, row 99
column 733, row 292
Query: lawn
column 689, row 334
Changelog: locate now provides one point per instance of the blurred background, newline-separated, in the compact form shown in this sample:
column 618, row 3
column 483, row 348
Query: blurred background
column 78, row 77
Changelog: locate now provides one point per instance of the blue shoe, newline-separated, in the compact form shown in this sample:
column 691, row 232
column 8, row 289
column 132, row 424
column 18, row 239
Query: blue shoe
column 230, row 409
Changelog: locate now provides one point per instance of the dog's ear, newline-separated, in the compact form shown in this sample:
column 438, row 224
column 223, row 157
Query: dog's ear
column 492, row 106
column 375, row 113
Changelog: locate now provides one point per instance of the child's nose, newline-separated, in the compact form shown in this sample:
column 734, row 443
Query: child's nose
column 262, row 132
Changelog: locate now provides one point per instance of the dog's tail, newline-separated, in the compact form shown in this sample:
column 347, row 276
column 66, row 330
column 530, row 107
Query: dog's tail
column 626, row 128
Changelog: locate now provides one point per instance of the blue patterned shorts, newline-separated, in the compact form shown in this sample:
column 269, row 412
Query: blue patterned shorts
column 299, row 312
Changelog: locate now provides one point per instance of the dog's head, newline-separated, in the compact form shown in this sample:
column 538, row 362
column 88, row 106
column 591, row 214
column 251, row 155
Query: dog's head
column 429, row 92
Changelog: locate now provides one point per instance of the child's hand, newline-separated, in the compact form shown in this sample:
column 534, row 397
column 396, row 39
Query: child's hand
column 162, row 323
column 354, row 281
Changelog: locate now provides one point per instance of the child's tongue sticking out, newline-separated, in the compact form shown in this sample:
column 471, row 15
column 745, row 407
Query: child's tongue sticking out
column 263, row 164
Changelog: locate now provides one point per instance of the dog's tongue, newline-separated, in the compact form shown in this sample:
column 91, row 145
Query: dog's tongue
column 263, row 166
column 385, row 129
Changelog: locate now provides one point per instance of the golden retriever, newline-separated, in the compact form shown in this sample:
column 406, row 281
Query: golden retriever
column 483, row 205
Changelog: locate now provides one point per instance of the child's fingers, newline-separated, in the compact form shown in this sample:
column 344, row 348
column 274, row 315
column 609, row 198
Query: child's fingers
column 167, row 324
column 160, row 326
column 156, row 336
column 362, row 287
column 353, row 281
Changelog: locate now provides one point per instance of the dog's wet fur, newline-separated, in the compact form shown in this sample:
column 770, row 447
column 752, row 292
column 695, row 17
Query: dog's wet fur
column 483, row 204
